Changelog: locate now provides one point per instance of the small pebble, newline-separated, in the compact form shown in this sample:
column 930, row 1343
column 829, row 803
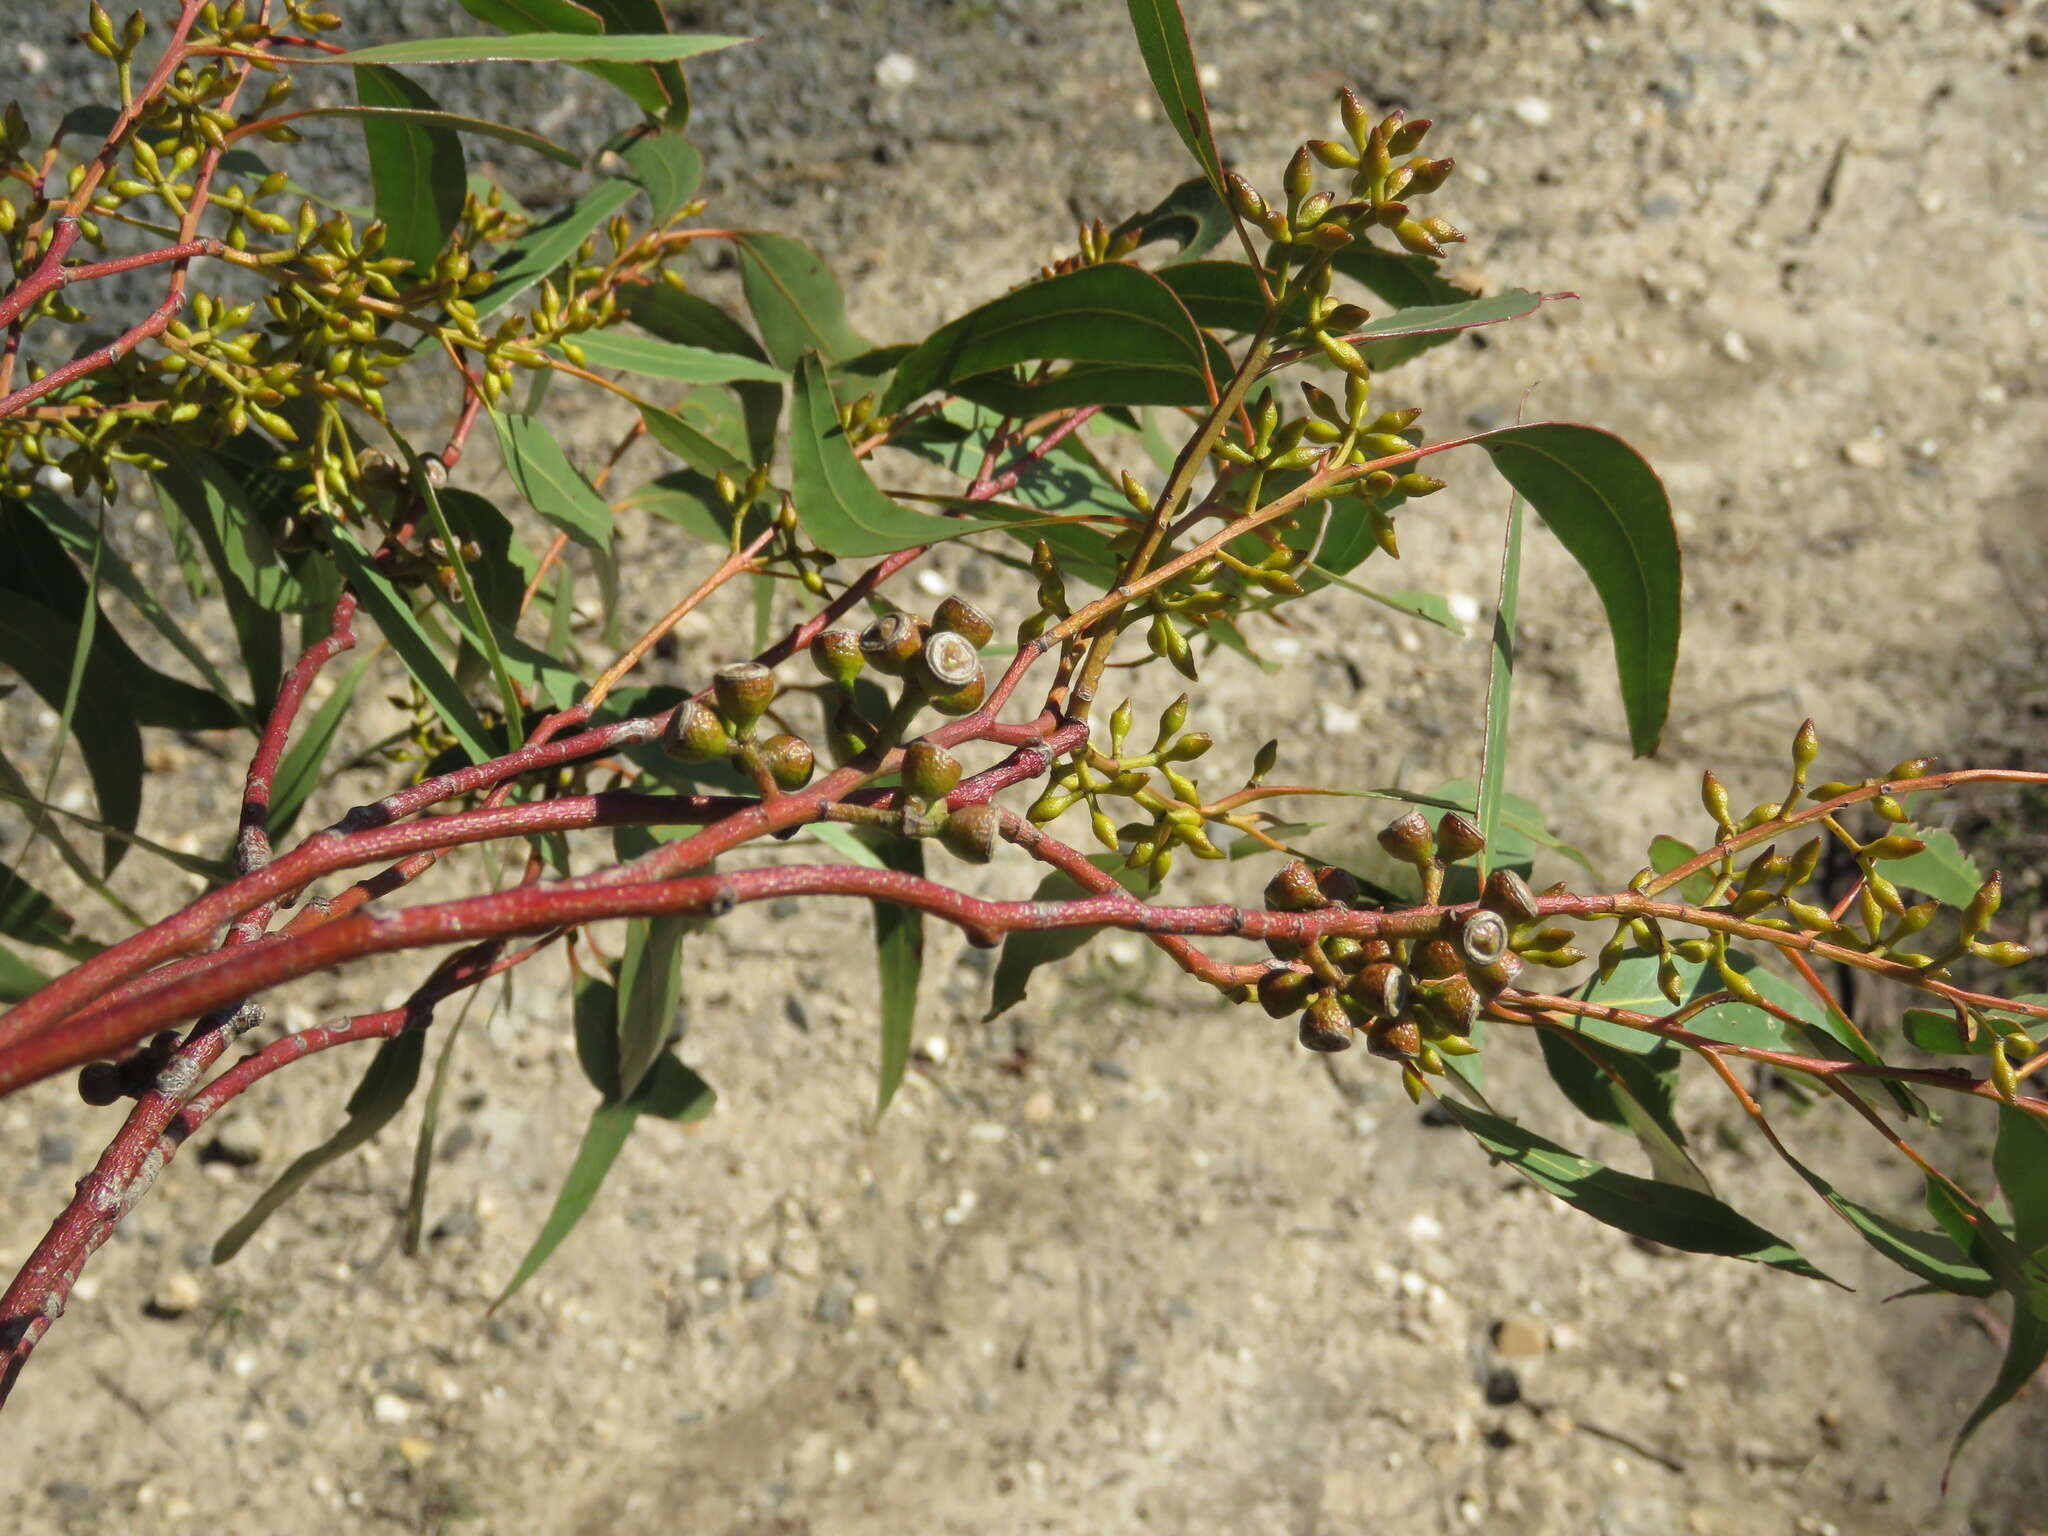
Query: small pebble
column 1735, row 347
column 240, row 1140
column 390, row 1408
column 33, row 59
column 1040, row 1109
column 1533, row 110
column 175, row 1295
column 835, row 1303
column 53, row 1147
column 1520, row 1336
column 895, row 71
column 1867, row 453
column 760, row 1288
column 1104, row 1067
column 866, row 1304
column 415, row 1450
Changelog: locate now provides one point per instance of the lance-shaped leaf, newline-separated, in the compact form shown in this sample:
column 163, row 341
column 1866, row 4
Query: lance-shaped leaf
column 537, row 48
column 1170, row 60
column 838, row 504
column 795, row 300
column 1192, row 216
column 674, row 315
column 666, row 166
column 646, row 86
column 1113, row 315
column 387, row 1083
column 415, row 647
column 1405, row 282
column 658, row 359
column 899, row 957
column 416, row 172
column 545, row 247
column 33, row 918
column 553, row 486
column 60, row 662
column 1026, row 949
column 452, row 122
column 1646, row 1208
column 650, row 992
column 1630, row 1092
column 1609, row 510
column 2020, row 1157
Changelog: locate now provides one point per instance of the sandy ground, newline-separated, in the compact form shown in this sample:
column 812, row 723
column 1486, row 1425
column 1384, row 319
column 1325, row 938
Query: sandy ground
column 1123, row 1260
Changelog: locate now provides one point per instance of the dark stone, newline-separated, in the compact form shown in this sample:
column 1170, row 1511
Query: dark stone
column 712, row 1265
column 1503, row 1387
column 760, row 1288
column 1104, row 1067
column 54, row 1147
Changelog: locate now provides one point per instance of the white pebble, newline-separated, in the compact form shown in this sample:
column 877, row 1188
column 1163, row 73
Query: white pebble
column 962, row 1207
column 1424, row 1228
column 933, row 583
column 33, row 59
column 1209, row 75
column 389, row 1408
column 1464, row 607
column 1534, row 111
column 895, row 71
column 1338, row 721
column 1734, row 347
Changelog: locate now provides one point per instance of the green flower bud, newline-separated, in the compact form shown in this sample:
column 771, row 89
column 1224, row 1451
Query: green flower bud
column 929, row 771
column 1300, row 174
column 1335, row 156
column 1805, row 748
column 1894, row 847
column 1415, row 485
column 837, row 655
column 2005, row 953
column 1244, row 197
column 1188, row 748
column 1984, row 905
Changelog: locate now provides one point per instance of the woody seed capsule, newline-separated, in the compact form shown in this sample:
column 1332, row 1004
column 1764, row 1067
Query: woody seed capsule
column 836, row 654
column 1395, row 1039
column 1340, row 885
column 695, row 734
column 1282, row 991
column 892, row 643
column 1326, row 1027
column 1295, row 889
column 957, row 616
column 1408, row 840
column 972, row 832
column 1508, row 894
column 929, row 771
column 1435, row 959
column 744, row 691
column 789, row 759
column 1457, row 838
column 1381, row 989
column 1483, row 937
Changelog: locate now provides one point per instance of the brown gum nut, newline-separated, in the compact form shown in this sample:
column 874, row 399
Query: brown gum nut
column 1395, row 1039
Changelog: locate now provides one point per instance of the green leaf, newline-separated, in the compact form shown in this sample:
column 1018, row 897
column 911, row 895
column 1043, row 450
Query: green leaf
column 212, row 871
column 1940, row 1034
column 647, row 87
column 1026, row 949
column 1630, row 1092
column 537, row 48
column 795, row 300
column 550, row 483
column 673, row 1092
column 1667, row 853
column 79, row 538
column 19, row 979
column 1663, row 1213
column 1223, row 295
column 1404, row 281
column 899, row 957
column 33, row 918
column 1192, row 216
column 1466, row 314
column 1500, row 679
column 36, row 568
column 1430, row 607
column 658, row 359
column 1941, row 869
column 650, row 992
column 452, row 122
column 412, row 643
column 1114, row 314
column 667, row 167
column 623, row 18
column 702, row 442
column 545, row 247
column 2026, row 1347
column 59, row 661
column 1608, row 508
column 1170, row 61
column 674, row 315
column 603, row 1139
column 388, row 1082
column 840, row 507
column 417, row 174
column 299, row 773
